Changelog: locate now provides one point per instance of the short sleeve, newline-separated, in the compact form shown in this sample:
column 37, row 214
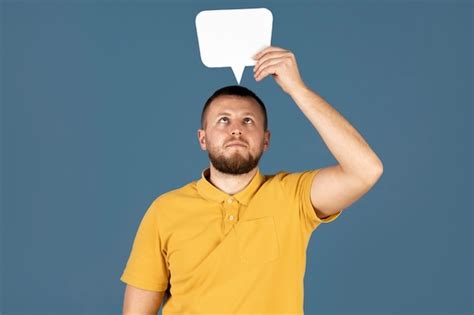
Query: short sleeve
column 147, row 266
column 297, row 186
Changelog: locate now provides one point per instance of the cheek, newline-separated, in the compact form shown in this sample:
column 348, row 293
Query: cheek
column 213, row 141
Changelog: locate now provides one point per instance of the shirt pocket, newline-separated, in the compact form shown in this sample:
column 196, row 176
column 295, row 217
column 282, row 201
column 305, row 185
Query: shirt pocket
column 257, row 240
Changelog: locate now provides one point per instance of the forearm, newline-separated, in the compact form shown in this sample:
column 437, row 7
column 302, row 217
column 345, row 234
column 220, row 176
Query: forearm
column 348, row 147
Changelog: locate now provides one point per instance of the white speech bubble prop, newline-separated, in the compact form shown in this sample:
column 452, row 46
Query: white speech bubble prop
column 229, row 38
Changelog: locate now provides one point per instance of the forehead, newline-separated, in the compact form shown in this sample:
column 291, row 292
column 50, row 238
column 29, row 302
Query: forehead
column 234, row 104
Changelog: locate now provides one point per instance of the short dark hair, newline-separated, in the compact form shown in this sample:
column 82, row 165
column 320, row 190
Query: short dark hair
column 236, row 90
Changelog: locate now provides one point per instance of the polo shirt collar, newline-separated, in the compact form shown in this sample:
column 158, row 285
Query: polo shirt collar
column 207, row 190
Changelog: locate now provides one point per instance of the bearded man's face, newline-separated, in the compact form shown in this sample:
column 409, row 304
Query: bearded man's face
column 233, row 134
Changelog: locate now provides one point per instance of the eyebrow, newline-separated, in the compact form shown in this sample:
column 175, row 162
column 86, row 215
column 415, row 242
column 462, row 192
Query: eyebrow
column 229, row 114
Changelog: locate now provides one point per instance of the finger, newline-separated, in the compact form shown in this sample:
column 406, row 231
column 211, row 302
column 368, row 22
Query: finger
column 268, row 62
column 273, row 54
column 268, row 49
column 273, row 69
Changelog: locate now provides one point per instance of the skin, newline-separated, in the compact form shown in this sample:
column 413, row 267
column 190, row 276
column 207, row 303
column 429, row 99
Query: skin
column 141, row 302
column 228, row 119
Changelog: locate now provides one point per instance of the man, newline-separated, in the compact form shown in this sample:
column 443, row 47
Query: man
column 235, row 240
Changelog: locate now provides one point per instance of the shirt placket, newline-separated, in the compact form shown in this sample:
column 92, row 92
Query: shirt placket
column 230, row 213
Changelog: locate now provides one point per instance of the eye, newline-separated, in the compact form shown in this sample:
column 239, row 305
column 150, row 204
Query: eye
column 223, row 118
column 248, row 119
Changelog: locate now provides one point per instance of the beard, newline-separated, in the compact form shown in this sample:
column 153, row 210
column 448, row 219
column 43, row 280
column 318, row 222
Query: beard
column 236, row 164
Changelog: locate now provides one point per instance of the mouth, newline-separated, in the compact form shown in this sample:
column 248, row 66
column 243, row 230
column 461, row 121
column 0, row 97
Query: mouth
column 236, row 144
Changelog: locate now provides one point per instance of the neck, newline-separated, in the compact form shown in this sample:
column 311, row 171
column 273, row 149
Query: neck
column 228, row 183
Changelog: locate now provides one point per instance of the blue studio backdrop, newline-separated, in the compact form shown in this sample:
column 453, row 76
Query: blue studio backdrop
column 100, row 106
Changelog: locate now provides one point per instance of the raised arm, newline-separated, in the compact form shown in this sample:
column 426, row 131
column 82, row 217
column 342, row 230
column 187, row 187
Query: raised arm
column 335, row 187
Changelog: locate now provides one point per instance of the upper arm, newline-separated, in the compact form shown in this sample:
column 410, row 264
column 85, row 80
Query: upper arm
column 141, row 302
column 333, row 190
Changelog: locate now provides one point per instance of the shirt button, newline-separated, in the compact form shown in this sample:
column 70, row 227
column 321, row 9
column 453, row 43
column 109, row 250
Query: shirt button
column 231, row 217
column 229, row 200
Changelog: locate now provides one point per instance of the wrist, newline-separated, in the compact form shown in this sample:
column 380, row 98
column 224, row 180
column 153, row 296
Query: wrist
column 299, row 91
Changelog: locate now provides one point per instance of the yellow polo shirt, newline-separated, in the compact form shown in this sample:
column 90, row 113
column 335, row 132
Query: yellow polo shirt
column 219, row 254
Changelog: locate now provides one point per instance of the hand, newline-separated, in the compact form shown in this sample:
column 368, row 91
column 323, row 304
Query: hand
column 281, row 64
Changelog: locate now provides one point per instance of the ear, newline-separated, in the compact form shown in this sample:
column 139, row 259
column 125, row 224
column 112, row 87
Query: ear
column 201, row 134
column 266, row 140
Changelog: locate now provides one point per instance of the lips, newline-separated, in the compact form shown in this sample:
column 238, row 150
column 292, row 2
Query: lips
column 236, row 144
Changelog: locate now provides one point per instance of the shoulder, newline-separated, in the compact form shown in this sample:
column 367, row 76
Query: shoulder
column 284, row 177
column 176, row 196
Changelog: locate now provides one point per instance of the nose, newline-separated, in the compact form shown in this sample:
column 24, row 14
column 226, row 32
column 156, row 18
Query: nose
column 236, row 128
